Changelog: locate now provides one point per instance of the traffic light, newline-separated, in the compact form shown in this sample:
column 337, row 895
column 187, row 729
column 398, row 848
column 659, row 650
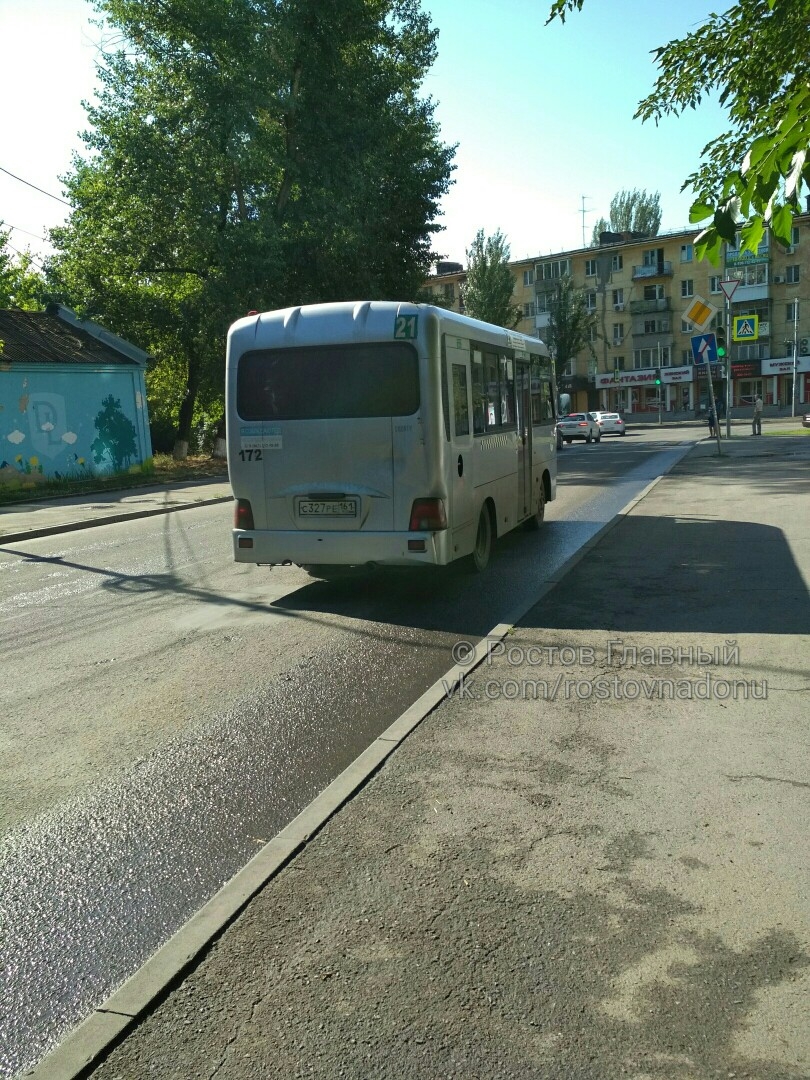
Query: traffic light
column 720, row 338
column 658, row 376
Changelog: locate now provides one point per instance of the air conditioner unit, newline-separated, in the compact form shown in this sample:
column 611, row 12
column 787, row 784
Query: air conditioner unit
column 803, row 346
column 618, row 307
column 778, row 280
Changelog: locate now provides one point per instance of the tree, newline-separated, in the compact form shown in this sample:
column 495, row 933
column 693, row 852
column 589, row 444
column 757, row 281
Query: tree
column 249, row 155
column 116, row 441
column 571, row 326
column 21, row 286
column 487, row 292
column 753, row 175
column 631, row 211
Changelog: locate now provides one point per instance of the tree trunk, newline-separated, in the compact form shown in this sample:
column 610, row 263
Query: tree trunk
column 186, row 416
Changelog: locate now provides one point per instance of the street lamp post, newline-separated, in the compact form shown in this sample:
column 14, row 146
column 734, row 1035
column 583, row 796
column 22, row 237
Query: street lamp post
column 795, row 355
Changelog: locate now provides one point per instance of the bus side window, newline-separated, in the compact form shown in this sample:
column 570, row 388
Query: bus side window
column 507, row 391
column 461, row 412
column 477, row 367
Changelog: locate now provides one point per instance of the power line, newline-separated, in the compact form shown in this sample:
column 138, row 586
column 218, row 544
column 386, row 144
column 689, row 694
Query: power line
column 36, row 262
column 8, row 225
column 34, row 186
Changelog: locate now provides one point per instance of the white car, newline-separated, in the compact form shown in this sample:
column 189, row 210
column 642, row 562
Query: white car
column 580, row 425
column 610, row 423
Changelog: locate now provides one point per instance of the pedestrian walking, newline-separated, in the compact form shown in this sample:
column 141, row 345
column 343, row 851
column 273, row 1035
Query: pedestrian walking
column 712, row 420
column 756, row 423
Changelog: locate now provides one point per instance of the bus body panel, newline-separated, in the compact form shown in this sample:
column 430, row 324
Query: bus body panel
column 339, row 489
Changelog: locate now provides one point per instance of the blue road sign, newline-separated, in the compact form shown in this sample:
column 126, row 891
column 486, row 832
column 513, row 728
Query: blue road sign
column 704, row 349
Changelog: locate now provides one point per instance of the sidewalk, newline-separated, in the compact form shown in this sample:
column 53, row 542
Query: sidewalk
column 24, row 521
column 566, row 871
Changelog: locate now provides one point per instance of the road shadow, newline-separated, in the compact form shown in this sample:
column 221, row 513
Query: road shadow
column 682, row 574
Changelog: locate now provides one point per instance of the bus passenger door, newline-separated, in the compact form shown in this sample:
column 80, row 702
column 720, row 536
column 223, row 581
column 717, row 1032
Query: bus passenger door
column 524, row 422
column 462, row 495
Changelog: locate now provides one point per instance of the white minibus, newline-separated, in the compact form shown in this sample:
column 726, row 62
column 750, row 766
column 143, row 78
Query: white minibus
column 379, row 433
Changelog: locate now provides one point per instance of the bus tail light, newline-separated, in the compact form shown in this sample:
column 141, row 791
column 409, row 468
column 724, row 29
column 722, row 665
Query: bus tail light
column 243, row 515
column 427, row 515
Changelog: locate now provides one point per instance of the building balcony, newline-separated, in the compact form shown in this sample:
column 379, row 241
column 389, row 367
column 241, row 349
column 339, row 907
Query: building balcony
column 638, row 330
column 649, row 307
column 542, row 320
column 652, row 341
column 659, row 269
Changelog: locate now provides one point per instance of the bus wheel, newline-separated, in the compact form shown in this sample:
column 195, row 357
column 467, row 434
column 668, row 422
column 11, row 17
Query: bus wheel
column 483, row 541
column 537, row 519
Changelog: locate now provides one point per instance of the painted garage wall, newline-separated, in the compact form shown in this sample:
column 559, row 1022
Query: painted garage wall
column 65, row 421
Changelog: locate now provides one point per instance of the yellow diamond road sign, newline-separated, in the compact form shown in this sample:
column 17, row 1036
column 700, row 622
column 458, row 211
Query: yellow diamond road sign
column 700, row 312
column 745, row 328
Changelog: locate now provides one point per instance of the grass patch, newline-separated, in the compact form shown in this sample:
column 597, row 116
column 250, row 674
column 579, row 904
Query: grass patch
column 162, row 470
column 790, row 431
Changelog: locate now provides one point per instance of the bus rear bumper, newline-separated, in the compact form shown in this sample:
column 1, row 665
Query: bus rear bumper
column 339, row 548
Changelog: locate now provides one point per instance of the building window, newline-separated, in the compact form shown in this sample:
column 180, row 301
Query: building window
column 686, row 326
column 650, row 358
column 449, row 292
column 792, row 274
column 593, row 334
column 653, row 292
column 687, row 287
column 792, row 312
column 528, row 277
column 552, row 271
column 686, row 252
column 686, row 357
column 618, row 363
column 714, row 283
column 590, row 301
column 529, row 310
column 618, row 297
column 794, row 236
column 590, row 268
column 618, row 333
column 617, row 262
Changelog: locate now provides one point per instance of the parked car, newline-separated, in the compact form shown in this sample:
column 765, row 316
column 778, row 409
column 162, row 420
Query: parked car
column 610, row 423
column 806, row 420
column 560, row 443
column 580, row 425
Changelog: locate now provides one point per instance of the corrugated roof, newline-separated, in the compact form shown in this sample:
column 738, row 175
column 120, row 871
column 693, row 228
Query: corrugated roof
column 46, row 338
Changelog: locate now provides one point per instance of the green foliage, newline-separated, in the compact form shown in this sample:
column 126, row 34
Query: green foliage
column 571, row 326
column 487, row 291
column 753, row 175
column 243, row 156
column 21, row 286
column 631, row 211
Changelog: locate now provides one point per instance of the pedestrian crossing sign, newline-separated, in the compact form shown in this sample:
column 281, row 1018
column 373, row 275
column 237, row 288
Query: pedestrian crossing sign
column 745, row 328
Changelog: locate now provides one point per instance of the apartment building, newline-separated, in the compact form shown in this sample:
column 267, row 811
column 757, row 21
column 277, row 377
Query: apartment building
column 640, row 289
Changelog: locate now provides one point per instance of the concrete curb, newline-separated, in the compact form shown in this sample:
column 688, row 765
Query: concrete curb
column 87, row 1045
column 113, row 519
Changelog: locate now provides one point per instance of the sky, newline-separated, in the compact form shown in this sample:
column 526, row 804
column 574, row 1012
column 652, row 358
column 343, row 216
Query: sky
column 542, row 116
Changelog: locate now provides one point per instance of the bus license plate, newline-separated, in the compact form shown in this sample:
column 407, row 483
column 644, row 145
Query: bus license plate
column 327, row 508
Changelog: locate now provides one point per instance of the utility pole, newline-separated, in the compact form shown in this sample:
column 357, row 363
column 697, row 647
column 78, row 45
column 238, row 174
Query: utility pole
column 729, row 287
column 728, row 367
column 793, row 394
column 582, row 211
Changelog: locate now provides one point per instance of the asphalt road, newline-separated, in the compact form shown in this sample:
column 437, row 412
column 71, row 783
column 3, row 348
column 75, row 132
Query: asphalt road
column 164, row 712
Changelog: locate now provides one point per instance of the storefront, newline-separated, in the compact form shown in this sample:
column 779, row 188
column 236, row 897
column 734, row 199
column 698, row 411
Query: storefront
column 637, row 391
column 747, row 384
column 777, row 380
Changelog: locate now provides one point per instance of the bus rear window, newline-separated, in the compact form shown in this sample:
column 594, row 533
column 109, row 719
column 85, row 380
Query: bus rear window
column 328, row 382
